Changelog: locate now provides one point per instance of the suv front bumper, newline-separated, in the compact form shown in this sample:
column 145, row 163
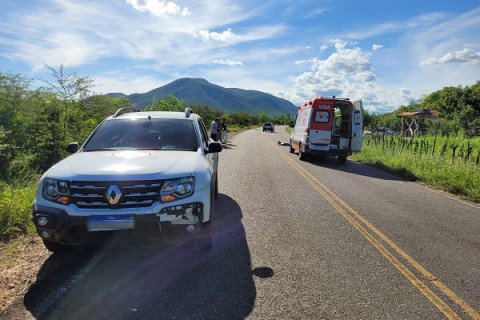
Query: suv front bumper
column 57, row 225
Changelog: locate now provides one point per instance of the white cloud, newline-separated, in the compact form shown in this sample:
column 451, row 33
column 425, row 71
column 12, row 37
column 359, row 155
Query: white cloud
column 229, row 37
column 376, row 47
column 69, row 49
column 434, row 56
column 83, row 34
column 406, row 96
column 348, row 73
column 434, row 41
column 465, row 56
column 344, row 70
column 228, row 62
column 159, row 8
column 126, row 82
column 394, row 26
column 225, row 36
column 315, row 12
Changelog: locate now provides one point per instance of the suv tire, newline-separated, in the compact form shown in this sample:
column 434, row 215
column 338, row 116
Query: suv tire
column 342, row 159
column 301, row 155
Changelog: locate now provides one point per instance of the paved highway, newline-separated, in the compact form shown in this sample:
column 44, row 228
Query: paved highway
column 293, row 240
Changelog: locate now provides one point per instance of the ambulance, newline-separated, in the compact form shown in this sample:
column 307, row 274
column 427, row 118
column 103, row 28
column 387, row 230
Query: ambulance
column 327, row 126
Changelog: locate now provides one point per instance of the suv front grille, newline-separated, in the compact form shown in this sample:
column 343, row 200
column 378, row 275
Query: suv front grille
column 104, row 194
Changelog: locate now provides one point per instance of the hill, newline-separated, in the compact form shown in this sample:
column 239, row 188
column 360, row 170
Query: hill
column 194, row 91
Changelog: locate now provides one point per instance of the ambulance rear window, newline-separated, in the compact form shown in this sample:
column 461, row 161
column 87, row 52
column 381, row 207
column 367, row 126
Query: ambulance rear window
column 322, row 116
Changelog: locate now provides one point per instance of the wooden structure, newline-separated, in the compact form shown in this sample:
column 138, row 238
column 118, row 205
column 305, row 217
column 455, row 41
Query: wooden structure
column 412, row 121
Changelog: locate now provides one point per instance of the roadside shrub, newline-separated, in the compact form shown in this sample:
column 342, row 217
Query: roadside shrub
column 16, row 209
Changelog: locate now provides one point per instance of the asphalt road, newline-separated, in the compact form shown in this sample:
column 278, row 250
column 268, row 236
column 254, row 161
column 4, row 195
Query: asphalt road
column 293, row 240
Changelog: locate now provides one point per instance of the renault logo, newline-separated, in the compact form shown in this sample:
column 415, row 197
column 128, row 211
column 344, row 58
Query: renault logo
column 113, row 194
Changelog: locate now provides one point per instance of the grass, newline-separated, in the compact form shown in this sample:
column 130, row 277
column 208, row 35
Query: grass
column 446, row 170
column 16, row 209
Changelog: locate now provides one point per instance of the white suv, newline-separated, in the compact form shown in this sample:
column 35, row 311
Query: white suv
column 136, row 169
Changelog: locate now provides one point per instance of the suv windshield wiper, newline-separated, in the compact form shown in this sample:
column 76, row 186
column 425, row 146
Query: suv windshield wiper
column 101, row 149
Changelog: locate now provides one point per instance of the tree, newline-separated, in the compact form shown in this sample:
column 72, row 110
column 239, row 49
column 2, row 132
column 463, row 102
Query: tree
column 262, row 118
column 459, row 108
column 172, row 103
column 14, row 95
column 208, row 114
column 94, row 110
column 3, row 134
column 282, row 119
column 368, row 120
column 239, row 118
column 71, row 89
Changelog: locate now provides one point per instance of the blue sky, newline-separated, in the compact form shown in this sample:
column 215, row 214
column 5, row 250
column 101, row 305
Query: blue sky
column 386, row 52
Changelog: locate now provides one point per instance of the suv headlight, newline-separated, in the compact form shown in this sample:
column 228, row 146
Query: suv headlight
column 55, row 190
column 176, row 189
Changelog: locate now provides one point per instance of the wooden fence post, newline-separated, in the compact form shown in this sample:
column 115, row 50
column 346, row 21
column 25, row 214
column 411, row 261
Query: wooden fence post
column 454, row 150
column 444, row 150
column 469, row 151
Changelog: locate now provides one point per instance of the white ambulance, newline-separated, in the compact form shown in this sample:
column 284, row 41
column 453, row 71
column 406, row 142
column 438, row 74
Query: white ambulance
column 327, row 127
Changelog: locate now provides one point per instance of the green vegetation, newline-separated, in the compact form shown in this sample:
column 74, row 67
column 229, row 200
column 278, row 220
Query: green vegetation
column 450, row 164
column 37, row 124
column 16, row 209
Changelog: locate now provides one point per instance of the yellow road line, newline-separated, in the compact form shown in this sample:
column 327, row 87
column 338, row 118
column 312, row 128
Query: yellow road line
column 337, row 203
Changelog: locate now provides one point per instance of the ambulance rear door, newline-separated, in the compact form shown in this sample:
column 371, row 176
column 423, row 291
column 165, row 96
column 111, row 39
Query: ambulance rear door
column 357, row 126
column 321, row 125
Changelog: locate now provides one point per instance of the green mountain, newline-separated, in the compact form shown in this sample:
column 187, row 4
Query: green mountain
column 195, row 91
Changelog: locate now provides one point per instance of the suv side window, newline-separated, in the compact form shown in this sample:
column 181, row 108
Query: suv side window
column 204, row 136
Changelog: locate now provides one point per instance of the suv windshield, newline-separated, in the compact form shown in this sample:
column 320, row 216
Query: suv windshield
column 147, row 134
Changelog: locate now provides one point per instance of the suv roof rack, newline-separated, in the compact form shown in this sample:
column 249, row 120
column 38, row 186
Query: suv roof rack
column 125, row 110
column 188, row 112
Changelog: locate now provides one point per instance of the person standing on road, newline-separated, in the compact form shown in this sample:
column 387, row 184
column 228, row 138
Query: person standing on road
column 223, row 137
column 219, row 129
column 214, row 129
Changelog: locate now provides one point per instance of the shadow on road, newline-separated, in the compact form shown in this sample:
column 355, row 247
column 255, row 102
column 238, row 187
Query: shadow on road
column 162, row 281
column 228, row 145
column 356, row 168
column 352, row 167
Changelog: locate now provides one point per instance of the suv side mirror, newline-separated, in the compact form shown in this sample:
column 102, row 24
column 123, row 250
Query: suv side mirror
column 214, row 147
column 72, row 147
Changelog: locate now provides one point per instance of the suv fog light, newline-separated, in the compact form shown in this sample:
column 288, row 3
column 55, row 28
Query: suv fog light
column 190, row 228
column 45, row 234
column 42, row 221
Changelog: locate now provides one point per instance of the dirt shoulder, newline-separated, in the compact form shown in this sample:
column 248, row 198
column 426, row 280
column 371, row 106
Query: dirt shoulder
column 20, row 260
